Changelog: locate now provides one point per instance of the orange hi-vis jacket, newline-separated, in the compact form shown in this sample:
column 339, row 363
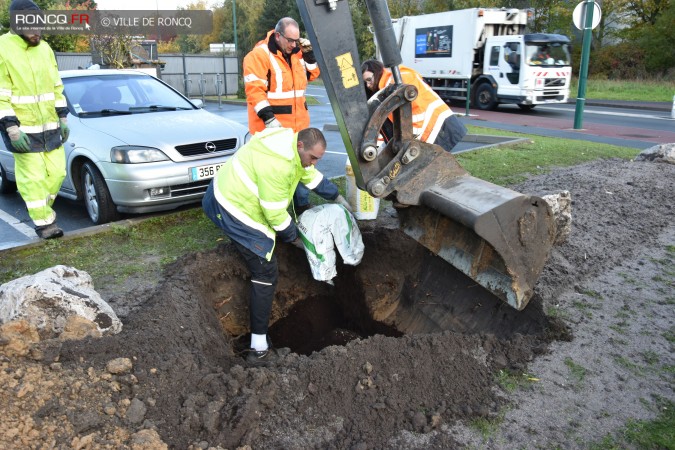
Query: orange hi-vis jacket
column 275, row 88
column 429, row 111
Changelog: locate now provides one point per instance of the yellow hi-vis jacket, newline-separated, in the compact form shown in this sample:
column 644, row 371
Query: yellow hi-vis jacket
column 276, row 89
column 252, row 191
column 31, row 92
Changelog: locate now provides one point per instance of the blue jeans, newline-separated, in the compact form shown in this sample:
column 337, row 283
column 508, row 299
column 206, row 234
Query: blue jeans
column 301, row 196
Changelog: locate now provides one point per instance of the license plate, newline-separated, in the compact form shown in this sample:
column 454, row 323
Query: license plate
column 204, row 172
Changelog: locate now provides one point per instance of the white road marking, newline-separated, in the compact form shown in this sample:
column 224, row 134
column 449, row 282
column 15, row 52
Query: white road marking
column 17, row 224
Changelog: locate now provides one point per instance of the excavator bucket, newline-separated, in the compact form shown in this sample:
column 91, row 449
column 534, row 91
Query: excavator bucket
column 498, row 237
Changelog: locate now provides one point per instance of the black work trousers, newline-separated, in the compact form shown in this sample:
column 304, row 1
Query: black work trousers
column 264, row 277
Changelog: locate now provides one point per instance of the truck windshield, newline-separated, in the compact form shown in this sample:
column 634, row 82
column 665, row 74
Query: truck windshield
column 549, row 54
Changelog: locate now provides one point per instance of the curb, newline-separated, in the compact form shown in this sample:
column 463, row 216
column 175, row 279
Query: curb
column 70, row 235
column 649, row 106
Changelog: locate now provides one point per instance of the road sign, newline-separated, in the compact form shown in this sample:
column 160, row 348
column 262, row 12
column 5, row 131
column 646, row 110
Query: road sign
column 579, row 15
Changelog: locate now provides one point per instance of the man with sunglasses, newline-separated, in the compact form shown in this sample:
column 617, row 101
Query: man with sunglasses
column 276, row 73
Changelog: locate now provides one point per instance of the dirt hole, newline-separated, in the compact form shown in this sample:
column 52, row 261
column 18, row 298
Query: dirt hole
column 318, row 322
column 399, row 288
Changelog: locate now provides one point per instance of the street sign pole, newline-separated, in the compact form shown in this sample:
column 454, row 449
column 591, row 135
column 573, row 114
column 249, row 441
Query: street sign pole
column 583, row 70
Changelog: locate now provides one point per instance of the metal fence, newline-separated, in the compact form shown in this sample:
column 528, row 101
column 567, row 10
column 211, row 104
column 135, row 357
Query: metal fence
column 193, row 75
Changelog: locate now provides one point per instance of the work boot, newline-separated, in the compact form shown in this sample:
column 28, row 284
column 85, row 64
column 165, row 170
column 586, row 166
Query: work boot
column 262, row 358
column 50, row 231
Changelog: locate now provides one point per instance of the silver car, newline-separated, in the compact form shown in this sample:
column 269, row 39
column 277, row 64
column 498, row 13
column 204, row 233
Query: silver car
column 136, row 144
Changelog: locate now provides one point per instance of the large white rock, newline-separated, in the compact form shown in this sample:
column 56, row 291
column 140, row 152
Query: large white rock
column 48, row 299
column 561, row 205
column 658, row 153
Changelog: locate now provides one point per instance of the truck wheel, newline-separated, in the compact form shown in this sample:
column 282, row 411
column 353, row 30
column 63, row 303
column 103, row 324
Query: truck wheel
column 6, row 186
column 486, row 97
column 526, row 107
column 100, row 206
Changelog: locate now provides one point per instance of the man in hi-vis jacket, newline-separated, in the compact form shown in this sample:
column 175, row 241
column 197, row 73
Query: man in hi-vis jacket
column 248, row 200
column 33, row 120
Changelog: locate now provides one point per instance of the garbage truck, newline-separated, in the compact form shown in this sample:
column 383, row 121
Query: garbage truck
column 499, row 238
column 485, row 54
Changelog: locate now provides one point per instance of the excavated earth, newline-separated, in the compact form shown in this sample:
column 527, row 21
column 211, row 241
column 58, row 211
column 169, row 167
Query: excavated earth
column 403, row 352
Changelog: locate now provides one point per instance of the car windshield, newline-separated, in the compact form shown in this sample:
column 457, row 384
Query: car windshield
column 549, row 54
column 97, row 95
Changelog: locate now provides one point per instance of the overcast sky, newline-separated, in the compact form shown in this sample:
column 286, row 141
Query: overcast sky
column 144, row 4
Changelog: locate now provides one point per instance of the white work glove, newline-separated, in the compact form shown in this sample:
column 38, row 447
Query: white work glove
column 340, row 200
column 272, row 123
column 19, row 139
column 305, row 45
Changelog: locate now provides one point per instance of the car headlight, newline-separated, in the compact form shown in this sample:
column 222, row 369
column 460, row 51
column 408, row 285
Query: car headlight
column 132, row 154
column 247, row 137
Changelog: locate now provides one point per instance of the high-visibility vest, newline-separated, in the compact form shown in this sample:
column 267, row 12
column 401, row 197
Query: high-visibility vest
column 256, row 186
column 429, row 111
column 31, row 91
column 269, row 81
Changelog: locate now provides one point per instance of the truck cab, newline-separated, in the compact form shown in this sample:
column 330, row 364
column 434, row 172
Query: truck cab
column 527, row 70
column 486, row 56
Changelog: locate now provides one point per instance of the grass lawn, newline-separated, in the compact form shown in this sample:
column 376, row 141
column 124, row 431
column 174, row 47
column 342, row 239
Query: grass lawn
column 637, row 90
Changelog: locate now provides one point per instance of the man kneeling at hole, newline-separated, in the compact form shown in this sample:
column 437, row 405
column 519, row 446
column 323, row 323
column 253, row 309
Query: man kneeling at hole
column 248, row 199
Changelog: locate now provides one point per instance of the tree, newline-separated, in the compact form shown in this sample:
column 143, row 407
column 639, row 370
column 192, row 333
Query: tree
column 434, row 6
column 647, row 11
column 551, row 16
column 219, row 23
column 248, row 33
column 614, row 18
column 193, row 43
column 400, row 8
column 364, row 38
column 275, row 10
column 171, row 46
column 70, row 42
column 4, row 15
column 112, row 50
column 657, row 42
column 91, row 4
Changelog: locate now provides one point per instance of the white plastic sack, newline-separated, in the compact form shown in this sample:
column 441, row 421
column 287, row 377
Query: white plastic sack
column 323, row 228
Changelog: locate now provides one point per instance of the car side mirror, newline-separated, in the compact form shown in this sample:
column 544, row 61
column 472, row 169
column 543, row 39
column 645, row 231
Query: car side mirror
column 197, row 102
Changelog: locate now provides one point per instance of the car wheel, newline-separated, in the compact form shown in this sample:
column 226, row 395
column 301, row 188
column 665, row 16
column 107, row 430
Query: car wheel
column 100, row 206
column 486, row 98
column 526, row 107
column 6, row 186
